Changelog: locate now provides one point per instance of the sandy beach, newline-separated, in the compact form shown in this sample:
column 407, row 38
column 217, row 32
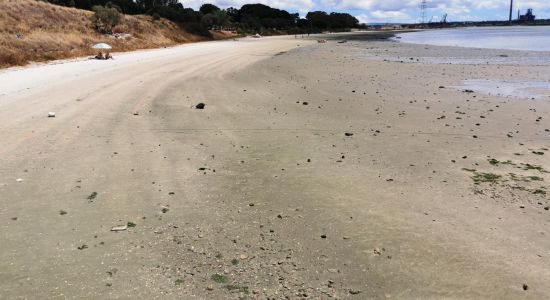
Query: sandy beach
column 370, row 169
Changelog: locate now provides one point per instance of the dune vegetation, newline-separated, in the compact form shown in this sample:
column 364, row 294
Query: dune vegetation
column 39, row 31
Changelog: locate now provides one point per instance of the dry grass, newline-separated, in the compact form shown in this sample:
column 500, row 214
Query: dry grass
column 48, row 32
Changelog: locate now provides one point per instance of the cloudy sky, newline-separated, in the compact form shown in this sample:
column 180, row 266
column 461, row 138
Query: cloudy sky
column 399, row 10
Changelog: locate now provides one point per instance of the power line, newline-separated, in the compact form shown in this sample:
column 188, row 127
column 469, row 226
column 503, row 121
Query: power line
column 423, row 9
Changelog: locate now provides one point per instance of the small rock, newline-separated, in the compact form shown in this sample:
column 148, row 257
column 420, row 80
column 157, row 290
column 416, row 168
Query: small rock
column 525, row 287
column 354, row 292
column 51, row 114
column 200, row 106
column 323, row 236
column 119, row 228
column 348, row 134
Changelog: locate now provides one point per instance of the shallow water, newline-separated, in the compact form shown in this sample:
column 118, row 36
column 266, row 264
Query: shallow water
column 514, row 89
column 532, row 38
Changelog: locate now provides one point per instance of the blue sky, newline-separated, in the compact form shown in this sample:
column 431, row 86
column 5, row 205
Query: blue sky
column 403, row 11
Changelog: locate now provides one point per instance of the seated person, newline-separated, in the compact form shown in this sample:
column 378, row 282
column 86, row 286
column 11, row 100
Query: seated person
column 99, row 56
column 108, row 56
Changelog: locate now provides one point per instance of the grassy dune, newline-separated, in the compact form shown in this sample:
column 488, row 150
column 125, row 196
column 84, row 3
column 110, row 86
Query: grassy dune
column 37, row 31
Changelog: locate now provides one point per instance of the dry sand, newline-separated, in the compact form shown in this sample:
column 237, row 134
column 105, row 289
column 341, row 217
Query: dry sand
column 262, row 194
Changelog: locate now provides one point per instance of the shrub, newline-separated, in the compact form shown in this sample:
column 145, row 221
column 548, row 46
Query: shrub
column 105, row 18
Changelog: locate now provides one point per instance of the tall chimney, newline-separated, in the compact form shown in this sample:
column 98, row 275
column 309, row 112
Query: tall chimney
column 511, row 8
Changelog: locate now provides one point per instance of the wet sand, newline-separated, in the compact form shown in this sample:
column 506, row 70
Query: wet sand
column 356, row 170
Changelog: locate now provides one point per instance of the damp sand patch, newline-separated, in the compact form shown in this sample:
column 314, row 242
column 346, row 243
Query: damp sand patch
column 521, row 89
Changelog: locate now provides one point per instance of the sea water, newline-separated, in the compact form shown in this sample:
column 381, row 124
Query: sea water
column 533, row 38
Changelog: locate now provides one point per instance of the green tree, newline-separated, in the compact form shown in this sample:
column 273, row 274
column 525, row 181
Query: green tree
column 105, row 18
column 208, row 9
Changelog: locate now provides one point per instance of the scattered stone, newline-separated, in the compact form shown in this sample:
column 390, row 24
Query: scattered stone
column 200, row 106
column 354, row 292
column 82, row 247
column 51, row 114
column 348, row 134
column 525, row 287
column 19, row 180
column 119, row 228
column 62, row 212
column 323, row 236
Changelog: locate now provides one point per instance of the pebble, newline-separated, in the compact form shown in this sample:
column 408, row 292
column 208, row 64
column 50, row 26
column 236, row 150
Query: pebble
column 354, row 292
column 119, row 228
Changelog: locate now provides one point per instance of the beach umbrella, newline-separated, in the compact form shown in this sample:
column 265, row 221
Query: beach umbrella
column 102, row 46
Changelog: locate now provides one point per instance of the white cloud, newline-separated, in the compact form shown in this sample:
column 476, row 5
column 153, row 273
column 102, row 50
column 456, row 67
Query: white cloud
column 395, row 10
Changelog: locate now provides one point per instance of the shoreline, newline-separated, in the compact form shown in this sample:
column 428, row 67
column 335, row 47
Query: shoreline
column 318, row 170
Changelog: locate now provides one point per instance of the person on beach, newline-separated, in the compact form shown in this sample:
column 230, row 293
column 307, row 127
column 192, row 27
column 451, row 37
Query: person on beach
column 99, row 55
column 108, row 56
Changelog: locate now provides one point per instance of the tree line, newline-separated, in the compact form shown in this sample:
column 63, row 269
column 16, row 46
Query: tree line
column 250, row 18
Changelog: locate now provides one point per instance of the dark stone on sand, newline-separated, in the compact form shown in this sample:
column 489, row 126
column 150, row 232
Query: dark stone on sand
column 200, row 106
column 323, row 236
column 525, row 287
column 349, row 134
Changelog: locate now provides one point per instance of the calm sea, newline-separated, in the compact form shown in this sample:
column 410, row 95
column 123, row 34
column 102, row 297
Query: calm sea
column 536, row 38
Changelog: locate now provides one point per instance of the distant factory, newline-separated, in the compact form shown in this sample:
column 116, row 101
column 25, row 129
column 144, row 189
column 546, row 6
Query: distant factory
column 529, row 17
